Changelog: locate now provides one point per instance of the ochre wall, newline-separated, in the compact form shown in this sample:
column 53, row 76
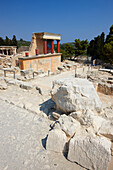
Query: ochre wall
column 41, row 63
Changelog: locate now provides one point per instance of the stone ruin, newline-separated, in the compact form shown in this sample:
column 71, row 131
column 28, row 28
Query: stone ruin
column 80, row 131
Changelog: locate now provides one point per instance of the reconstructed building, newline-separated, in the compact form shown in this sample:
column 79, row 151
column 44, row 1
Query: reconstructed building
column 41, row 55
column 8, row 50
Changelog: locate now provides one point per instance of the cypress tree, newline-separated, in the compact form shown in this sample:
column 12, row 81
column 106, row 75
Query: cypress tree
column 1, row 41
column 14, row 41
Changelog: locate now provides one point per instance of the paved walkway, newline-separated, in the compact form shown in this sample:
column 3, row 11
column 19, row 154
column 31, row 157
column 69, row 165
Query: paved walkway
column 22, row 135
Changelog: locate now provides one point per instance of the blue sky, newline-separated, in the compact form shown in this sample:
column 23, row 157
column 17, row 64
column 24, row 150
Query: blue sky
column 83, row 19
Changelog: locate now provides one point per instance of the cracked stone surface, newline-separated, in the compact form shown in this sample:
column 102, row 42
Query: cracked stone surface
column 91, row 152
column 22, row 141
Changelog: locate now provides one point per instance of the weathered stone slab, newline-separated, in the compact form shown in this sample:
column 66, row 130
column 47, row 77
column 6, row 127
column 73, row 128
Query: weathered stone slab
column 69, row 125
column 26, row 72
column 85, row 117
column 56, row 140
column 106, row 129
column 61, row 68
column 90, row 152
column 12, row 81
column 68, row 65
column 75, row 94
column 26, row 86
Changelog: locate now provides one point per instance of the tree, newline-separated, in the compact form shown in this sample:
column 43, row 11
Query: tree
column 111, row 30
column 96, row 47
column 69, row 50
column 108, row 47
column 7, row 41
column 63, row 54
column 62, row 46
column 14, row 41
column 1, row 41
column 90, row 49
column 102, row 39
column 21, row 39
column 62, row 50
column 108, row 52
column 80, row 47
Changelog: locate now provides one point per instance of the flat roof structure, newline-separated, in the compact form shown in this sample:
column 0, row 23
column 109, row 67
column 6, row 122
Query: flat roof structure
column 41, row 54
column 50, row 36
column 44, row 42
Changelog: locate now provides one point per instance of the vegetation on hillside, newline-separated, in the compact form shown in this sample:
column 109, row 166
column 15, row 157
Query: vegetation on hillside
column 98, row 48
column 13, row 42
column 80, row 47
column 101, row 48
column 74, row 49
column 8, row 42
column 22, row 42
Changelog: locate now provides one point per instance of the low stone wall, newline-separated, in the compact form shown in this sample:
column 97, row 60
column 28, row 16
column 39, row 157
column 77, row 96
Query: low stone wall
column 43, row 62
column 105, row 88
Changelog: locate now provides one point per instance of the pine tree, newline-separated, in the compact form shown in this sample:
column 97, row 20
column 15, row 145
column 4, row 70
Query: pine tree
column 69, row 51
column 80, row 47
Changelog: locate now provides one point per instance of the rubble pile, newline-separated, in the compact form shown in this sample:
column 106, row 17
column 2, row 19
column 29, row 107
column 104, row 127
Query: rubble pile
column 80, row 131
column 5, row 61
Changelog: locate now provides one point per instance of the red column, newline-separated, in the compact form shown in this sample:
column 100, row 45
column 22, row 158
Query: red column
column 52, row 46
column 58, row 46
column 45, row 46
column 36, row 51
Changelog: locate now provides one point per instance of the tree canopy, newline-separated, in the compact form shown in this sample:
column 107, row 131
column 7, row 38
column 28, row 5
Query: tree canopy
column 14, row 41
column 96, row 47
column 80, row 47
column 101, row 48
column 8, row 42
column 108, row 47
column 69, row 50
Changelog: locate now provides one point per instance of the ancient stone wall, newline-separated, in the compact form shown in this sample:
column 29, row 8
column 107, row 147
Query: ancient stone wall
column 33, row 45
column 105, row 88
column 41, row 63
column 23, row 48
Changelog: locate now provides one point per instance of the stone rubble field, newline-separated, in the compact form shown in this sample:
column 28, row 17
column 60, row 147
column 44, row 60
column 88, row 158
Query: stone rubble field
column 51, row 122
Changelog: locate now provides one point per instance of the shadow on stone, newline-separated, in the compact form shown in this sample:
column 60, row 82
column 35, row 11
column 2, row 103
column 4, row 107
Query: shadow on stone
column 48, row 106
column 44, row 141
